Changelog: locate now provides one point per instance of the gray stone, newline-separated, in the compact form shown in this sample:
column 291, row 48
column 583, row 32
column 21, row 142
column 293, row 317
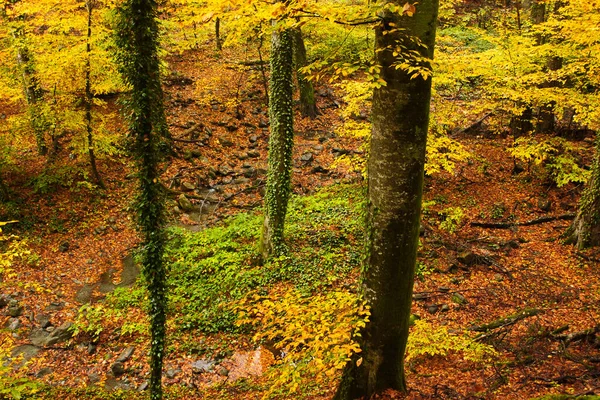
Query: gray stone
column 445, row 308
column 63, row 247
column 459, row 298
column 196, row 153
column 227, row 180
column 60, row 334
column 225, row 142
column 432, row 309
column 318, row 147
column 253, row 139
column 126, row 354
column 93, row 378
column 544, row 204
column 173, row 372
column 467, row 258
column 84, row 295
column 4, row 300
column 26, row 352
column 55, row 306
column 38, row 337
column 15, row 309
column 254, row 154
column 222, row 371
column 188, row 186
column 43, row 372
column 242, row 156
column 43, row 320
column 118, row 369
column 306, row 157
column 263, row 123
column 185, row 204
column 225, row 170
column 201, row 366
column 249, row 172
column 241, row 180
column 143, row 386
column 13, row 324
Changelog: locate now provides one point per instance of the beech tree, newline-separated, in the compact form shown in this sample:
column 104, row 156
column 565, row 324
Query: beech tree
column 400, row 117
column 137, row 34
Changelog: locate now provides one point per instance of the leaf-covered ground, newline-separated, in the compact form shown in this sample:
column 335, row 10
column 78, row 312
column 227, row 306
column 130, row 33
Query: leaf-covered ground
column 468, row 276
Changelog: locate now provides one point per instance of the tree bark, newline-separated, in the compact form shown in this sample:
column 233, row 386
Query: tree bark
column 585, row 230
column 308, row 105
column 89, row 99
column 281, row 143
column 137, row 37
column 396, row 161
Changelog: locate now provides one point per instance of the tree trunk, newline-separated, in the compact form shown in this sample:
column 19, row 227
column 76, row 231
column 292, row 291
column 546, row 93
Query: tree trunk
column 585, row 229
column 308, row 105
column 218, row 34
column 89, row 100
column 396, row 162
column 137, row 34
column 281, row 143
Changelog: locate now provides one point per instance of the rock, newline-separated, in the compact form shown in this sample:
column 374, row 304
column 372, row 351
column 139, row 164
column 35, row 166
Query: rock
column 84, row 295
column 63, row 247
column 241, row 180
column 249, row 172
column 126, row 354
column 26, row 352
column 254, row 154
column 38, row 337
column 196, row 153
column 458, row 298
column 223, row 141
column 118, row 368
column 253, row 138
column 225, row 170
column 13, row 324
column 432, row 309
column 306, row 157
column 14, row 308
column 227, row 180
column 242, row 156
column 318, row 147
column 4, row 300
column 444, row 289
column 60, row 334
column 43, row 320
column 185, row 204
column 187, row 155
column 173, row 372
column 318, row 169
column 188, row 186
column 91, row 348
column 143, row 386
column 467, row 258
column 43, row 372
column 445, row 308
column 55, row 306
column 222, row 371
column 263, row 123
column 544, row 204
column 202, row 366
column 93, row 378
column 420, row 296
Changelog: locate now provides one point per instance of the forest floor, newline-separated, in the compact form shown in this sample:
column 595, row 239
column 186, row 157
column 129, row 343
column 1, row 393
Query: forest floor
column 81, row 240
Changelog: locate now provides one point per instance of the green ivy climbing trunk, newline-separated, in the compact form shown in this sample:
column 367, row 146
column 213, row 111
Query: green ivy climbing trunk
column 281, row 143
column 308, row 104
column 137, row 38
column 585, row 229
column 400, row 118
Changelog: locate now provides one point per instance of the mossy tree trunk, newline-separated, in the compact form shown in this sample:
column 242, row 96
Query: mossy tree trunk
column 88, row 98
column 585, row 229
column 137, row 39
column 400, row 118
column 308, row 104
column 281, row 143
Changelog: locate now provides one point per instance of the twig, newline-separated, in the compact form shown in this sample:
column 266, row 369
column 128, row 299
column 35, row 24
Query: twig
column 507, row 225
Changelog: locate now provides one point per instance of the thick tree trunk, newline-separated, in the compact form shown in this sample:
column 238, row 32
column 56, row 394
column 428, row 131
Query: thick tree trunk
column 396, row 161
column 308, row 104
column 585, row 229
column 218, row 34
column 281, row 143
column 89, row 100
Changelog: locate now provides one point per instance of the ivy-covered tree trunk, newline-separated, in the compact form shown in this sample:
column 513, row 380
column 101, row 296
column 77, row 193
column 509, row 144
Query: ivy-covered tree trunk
column 400, row 118
column 585, row 229
column 137, row 38
column 88, row 99
column 308, row 104
column 33, row 92
column 281, row 143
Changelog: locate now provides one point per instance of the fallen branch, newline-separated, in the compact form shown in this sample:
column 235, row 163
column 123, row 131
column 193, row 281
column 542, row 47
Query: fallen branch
column 508, row 225
column 568, row 338
column 505, row 321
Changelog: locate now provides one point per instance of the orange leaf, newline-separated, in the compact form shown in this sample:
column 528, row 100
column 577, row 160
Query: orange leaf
column 409, row 9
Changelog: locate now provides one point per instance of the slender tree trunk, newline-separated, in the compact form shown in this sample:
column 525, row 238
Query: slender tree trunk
column 89, row 100
column 585, row 229
column 281, row 143
column 137, row 37
column 395, row 171
column 218, row 34
column 308, row 105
